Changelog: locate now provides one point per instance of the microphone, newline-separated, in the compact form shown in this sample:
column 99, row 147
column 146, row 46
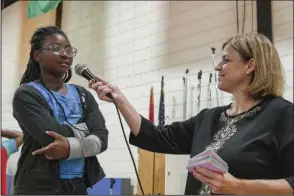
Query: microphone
column 82, row 70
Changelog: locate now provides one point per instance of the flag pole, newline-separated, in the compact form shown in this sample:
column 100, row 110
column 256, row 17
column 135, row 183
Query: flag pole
column 199, row 91
column 185, row 83
column 209, row 91
column 215, row 77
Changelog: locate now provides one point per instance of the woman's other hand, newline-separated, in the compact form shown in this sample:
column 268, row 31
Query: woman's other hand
column 218, row 183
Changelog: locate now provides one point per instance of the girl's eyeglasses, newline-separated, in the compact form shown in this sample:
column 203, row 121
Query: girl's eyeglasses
column 59, row 50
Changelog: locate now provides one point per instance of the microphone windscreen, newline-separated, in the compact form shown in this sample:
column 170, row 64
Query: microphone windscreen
column 79, row 69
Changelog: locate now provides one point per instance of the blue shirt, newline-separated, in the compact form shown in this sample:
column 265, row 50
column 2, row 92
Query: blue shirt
column 10, row 146
column 72, row 107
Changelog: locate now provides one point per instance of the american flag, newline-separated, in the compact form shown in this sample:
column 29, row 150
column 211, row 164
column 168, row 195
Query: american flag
column 161, row 114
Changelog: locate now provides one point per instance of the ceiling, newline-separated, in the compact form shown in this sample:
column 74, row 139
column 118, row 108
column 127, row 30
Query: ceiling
column 6, row 3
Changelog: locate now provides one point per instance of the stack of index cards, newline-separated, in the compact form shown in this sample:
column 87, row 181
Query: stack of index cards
column 210, row 160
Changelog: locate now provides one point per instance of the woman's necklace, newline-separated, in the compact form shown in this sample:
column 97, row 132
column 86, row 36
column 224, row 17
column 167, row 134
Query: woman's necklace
column 232, row 120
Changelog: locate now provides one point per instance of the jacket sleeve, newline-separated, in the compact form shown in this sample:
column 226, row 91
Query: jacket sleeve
column 96, row 141
column 34, row 118
column 287, row 145
column 175, row 138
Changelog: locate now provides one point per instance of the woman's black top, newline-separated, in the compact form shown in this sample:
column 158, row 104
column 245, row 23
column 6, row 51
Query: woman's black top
column 257, row 144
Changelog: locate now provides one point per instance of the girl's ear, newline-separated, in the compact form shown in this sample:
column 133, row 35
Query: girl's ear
column 37, row 56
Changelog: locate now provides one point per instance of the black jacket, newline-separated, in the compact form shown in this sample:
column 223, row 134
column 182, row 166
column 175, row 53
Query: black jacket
column 36, row 175
column 261, row 148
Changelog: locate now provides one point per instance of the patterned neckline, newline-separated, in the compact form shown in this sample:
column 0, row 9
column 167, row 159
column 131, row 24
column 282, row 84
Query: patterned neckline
column 242, row 113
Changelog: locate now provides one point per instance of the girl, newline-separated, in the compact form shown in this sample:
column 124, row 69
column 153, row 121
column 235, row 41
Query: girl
column 45, row 102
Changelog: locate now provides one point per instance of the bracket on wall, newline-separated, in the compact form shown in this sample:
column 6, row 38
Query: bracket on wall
column 264, row 18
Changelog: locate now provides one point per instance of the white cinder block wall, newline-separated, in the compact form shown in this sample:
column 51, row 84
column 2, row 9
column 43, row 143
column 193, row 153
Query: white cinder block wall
column 11, row 32
column 132, row 44
column 283, row 40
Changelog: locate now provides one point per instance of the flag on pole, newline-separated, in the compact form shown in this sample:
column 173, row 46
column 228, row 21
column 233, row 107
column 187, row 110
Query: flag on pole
column 37, row 8
column 151, row 106
column 161, row 114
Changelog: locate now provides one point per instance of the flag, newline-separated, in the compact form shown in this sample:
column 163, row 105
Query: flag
column 151, row 106
column 161, row 114
column 37, row 8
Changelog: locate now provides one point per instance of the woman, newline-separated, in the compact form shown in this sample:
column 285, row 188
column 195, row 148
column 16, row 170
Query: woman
column 254, row 134
column 45, row 102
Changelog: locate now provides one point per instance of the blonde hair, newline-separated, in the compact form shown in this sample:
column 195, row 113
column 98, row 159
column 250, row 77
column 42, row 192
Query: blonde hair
column 267, row 78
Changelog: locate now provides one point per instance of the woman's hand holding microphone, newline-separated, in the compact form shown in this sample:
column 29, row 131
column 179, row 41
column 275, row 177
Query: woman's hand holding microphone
column 132, row 117
column 103, row 88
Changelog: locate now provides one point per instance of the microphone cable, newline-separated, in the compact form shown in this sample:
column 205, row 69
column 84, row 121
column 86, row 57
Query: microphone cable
column 125, row 137
column 79, row 69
